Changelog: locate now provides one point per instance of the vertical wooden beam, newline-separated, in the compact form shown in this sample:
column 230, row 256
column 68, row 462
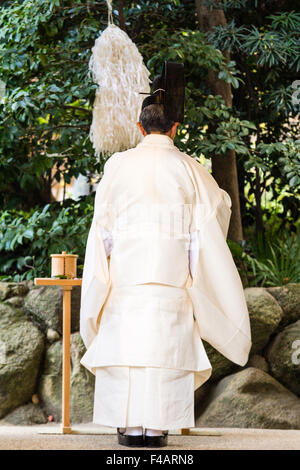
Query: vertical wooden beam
column 121, row 15
column 66, row 387
column 224, row 168
column 185, row 431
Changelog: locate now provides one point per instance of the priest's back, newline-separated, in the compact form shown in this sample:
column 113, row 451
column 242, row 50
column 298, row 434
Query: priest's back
column 149, row 199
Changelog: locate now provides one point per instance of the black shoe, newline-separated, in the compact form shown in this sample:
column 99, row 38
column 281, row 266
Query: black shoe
column 135, row 441
column 157, row 441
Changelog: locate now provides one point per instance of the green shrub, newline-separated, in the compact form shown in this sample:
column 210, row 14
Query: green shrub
column 270, row 261
column 28, row 239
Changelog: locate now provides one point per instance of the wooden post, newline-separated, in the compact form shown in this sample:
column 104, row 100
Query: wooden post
column 66, row 428
column 185, row 431
column 66, row 285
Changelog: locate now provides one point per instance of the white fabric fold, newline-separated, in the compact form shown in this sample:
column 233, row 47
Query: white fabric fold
column 193, row 251
column 96, row 280
column 107, row 240
column 217, row 292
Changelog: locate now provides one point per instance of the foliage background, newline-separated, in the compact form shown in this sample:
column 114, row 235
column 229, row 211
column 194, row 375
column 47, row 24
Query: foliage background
column 45, row 116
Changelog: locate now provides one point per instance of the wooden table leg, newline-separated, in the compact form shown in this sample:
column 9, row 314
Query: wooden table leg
column 185, row 431
column 66, row 428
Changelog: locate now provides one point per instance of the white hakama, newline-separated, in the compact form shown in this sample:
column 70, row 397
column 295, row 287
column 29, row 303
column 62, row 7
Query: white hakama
column 149, row 376
column 152, row 397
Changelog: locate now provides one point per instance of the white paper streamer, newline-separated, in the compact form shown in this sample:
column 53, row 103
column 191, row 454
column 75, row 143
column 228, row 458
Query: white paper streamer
column 118, row 68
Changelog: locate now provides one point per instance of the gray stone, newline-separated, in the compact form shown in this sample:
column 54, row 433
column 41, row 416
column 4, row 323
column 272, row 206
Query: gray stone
column 201, row 396
column 12, row 289
column 251, row 398
column 4, row 290
column 288, row 297
column 283, row 355
column 82, row 383
column 52, row 335
column 29, row 283
column 21, row 349
column 44, row 305
column 75, row 308
column 26, row 415
column 221, row 366
column 17, row 302
column 265, row 315
column 259, row 362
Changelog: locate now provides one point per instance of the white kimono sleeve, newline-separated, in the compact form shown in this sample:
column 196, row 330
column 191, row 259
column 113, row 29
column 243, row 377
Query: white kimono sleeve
column 217, row 292
column 96, row 278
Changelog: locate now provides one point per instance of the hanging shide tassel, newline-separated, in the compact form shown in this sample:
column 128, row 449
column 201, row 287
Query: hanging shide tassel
column 118, row 68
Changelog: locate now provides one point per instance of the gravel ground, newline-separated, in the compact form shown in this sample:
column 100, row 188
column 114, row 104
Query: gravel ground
column 93, row 437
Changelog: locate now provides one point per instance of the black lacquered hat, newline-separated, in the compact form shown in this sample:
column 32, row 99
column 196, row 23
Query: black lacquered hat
column 168, row 90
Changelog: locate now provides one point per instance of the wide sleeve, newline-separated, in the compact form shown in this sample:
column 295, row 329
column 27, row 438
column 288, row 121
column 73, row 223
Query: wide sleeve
column 96, row 277
column 217, row 292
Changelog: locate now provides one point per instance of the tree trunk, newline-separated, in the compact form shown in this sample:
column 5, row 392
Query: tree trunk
column 224, row 168
column 121, row 15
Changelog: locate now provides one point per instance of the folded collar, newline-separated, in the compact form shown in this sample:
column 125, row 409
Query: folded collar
column 157, row 139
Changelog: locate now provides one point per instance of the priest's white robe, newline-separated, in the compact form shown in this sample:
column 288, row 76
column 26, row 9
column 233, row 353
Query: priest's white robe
column 140, row 306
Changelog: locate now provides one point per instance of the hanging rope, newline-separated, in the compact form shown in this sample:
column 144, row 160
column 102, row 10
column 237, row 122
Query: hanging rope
column 110, row 15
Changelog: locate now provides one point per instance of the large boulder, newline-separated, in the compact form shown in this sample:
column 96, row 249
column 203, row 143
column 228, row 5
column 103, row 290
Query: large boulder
column 283, row 355
column 13, row 289
column 288, row 297
column 82, row 383
column 221, row 366
column 251, row 398
column 16, row 301
column 201, row 395
column 44, row 305
column 265, row 315
column 28, row 414
column 259, row 362
column 21, row 349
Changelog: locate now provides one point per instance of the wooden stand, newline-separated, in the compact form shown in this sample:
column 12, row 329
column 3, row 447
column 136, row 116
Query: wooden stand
column 66, row 285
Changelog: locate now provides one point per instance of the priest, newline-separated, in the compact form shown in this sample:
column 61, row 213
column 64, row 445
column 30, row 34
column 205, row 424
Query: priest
column 158, row 279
